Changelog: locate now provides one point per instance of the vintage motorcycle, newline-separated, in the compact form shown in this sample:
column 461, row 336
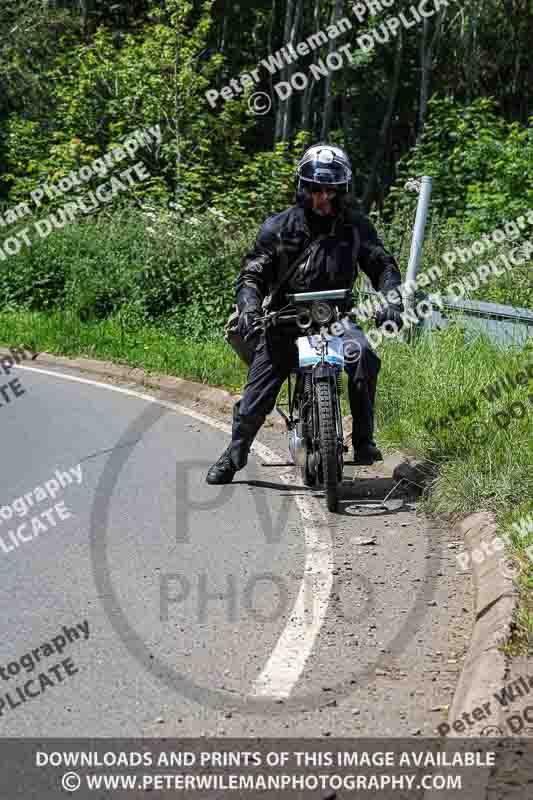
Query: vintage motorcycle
column 314, row 418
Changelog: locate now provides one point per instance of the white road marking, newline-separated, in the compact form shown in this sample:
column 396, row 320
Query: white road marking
column 286, row 663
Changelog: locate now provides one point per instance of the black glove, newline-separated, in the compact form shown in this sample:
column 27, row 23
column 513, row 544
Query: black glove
column 390, row 313
column 248, row 319
column 347, row 305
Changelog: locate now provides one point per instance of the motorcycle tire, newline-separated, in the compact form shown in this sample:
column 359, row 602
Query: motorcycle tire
column 328, row 442
column 308, row 474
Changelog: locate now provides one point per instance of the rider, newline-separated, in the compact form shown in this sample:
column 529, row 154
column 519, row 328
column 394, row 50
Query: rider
column 322, row 207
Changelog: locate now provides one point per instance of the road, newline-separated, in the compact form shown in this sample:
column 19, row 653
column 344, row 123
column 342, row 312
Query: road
column 156, row 605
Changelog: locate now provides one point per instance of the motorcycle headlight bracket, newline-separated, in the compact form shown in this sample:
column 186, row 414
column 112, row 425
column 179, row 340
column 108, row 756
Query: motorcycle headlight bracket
column 321, row 312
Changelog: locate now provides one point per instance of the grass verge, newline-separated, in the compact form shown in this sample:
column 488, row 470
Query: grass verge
column 419, row 381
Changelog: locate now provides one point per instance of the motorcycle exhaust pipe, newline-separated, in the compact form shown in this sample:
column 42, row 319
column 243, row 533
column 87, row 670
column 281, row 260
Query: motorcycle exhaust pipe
column 297, row 448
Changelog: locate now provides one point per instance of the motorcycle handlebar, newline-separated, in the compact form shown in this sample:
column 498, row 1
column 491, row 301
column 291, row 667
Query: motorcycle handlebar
column 263, row 322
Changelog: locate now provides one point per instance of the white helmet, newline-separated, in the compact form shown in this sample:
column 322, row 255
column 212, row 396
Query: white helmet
column 324, row 164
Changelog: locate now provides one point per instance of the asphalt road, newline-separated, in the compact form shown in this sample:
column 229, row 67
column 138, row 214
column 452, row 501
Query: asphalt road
column 155, row 605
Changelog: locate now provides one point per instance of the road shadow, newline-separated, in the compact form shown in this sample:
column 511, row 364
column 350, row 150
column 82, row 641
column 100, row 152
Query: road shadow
column 353, row 494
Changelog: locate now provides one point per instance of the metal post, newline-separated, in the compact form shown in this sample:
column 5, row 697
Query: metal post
column 417, row 242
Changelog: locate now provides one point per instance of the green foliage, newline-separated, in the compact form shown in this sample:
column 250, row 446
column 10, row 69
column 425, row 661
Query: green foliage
column 265, row 184
column 144, row 266
column 507, row 188
column 100, row 91
column 482, row 167
column 75, row 80
column 161, row 265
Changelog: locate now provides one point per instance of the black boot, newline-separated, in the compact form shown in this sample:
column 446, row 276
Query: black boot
column 222, row 470
column 366, row 453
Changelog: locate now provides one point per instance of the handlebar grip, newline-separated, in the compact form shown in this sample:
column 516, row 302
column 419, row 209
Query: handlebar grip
column 253, row 332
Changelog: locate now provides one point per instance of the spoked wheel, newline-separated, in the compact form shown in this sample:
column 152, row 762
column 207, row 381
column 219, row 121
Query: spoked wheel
column 328, row 442
column 309, row 473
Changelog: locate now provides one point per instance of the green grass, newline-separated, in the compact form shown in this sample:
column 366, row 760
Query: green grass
column 149, row 347
column 417, row 381
column 439, row 373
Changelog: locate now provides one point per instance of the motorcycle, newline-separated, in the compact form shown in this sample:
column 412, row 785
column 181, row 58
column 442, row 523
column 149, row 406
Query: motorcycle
column 314, row 418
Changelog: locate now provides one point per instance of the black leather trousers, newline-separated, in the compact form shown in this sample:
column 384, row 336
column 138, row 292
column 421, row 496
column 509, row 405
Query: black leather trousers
column 273, row 360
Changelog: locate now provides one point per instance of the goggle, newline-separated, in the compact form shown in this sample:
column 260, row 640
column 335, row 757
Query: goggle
column 319, row 188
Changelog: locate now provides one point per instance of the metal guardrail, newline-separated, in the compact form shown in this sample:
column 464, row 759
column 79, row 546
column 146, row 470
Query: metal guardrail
column 491, row 310
column 505, row 324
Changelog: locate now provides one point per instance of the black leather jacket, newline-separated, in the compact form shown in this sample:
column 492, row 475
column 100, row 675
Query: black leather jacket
column 284, row 236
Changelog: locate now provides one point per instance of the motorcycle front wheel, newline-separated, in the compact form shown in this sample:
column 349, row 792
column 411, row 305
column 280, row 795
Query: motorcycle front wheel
column 308, row 473
column 308, row 469
column 328, row 442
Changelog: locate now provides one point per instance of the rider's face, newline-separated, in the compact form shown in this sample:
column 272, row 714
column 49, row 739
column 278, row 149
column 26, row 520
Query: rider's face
column 322, row 199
